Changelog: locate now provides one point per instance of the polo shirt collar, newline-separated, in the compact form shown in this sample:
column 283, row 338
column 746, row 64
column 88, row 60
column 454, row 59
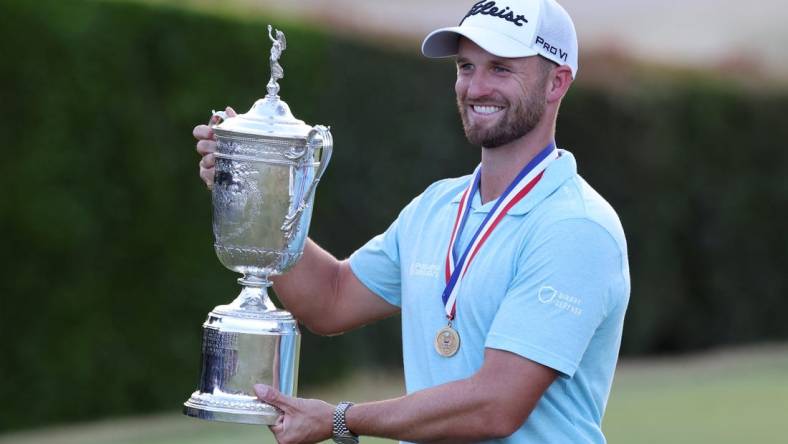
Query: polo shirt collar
column 558, row 172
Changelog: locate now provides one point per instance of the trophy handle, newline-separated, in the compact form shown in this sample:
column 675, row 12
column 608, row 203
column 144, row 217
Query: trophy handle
column 213, row 121
column 325, row 156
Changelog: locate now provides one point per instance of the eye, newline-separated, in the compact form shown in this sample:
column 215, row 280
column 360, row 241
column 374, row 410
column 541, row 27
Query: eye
column 464, row 67
column 501, row 69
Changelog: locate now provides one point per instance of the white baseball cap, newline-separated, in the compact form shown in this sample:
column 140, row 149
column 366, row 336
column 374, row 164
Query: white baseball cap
column 511, row 28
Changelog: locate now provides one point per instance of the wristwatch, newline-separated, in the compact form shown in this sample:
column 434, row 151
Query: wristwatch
column 343, row 435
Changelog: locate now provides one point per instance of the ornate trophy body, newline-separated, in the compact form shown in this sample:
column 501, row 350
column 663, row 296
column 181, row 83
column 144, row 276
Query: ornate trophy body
column 268, row 165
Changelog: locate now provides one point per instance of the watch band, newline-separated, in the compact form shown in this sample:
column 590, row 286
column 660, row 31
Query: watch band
column 342, row 434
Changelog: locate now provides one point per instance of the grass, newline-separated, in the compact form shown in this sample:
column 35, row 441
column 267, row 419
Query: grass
column 725, row 397
column 729, row 396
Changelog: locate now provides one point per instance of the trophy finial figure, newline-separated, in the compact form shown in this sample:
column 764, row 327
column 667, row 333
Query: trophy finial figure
column 279, row 45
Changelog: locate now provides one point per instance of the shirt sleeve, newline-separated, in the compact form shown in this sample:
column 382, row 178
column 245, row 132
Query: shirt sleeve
column 377, row 263
column 559, row 296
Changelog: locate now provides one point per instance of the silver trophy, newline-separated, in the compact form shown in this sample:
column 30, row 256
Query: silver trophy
column 268, row 164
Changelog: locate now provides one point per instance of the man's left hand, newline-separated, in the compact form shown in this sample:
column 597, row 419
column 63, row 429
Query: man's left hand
column 302, row 420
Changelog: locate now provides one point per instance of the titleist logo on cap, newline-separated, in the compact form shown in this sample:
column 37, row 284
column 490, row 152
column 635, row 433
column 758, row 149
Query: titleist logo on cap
column 489, row 8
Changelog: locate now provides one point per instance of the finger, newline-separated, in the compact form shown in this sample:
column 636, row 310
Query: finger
column 208, row 161
column 207, row 176
column 271, row 396
column 202, row 132
column 279, row 426
column 206, row 147
column 230, row 112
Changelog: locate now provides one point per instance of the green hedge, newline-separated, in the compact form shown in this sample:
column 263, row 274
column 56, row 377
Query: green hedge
column 108, row 269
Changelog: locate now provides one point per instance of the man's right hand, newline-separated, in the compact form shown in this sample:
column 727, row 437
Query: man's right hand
column 206, row 146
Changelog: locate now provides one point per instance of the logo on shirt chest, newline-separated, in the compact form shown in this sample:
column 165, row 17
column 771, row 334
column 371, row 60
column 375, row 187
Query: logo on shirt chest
column 424, row 270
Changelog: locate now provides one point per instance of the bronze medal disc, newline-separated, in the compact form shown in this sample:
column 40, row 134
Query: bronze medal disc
column 447, row 342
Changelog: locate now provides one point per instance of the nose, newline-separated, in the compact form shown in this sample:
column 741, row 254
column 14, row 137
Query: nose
column 476, row 85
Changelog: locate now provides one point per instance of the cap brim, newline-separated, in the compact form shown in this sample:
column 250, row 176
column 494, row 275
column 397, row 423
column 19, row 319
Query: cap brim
column 445, row 42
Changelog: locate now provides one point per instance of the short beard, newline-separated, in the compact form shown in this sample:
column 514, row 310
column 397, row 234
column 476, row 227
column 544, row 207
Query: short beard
column 520, row 119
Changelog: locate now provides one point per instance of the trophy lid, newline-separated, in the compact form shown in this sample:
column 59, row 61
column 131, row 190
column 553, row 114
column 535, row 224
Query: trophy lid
column 269, row 116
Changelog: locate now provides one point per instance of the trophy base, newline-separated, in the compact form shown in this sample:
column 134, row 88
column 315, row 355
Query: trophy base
column 239, row 409
column 245, row 343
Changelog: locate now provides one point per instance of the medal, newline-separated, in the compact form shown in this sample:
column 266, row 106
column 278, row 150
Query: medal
column 447, row 341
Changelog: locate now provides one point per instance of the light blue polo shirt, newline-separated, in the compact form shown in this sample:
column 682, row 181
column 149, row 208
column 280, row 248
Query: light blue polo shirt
column 550, row 284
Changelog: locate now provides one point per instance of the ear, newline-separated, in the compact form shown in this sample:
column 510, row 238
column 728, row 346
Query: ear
column 558, row 83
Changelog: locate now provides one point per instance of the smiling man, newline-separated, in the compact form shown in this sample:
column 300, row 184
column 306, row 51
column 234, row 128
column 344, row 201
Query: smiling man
column 512, row 282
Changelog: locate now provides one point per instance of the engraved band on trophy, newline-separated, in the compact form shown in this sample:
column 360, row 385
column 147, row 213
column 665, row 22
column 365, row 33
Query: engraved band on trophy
column 268, row 164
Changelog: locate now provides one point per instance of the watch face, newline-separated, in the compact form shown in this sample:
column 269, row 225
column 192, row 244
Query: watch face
column 345, row 440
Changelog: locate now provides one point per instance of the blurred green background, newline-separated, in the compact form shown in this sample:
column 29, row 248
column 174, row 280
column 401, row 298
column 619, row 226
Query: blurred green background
column 108, row 268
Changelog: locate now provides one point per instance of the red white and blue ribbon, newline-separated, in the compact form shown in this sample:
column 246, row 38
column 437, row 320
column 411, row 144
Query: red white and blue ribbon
column 525, row 181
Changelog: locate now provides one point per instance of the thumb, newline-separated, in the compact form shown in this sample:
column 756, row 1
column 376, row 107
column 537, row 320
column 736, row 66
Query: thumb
column 269, row 395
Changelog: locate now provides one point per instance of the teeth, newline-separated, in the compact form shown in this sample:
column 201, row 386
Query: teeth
column 486, row 109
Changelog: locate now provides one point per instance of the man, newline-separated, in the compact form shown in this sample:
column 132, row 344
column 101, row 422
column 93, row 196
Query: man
column 516, row 337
